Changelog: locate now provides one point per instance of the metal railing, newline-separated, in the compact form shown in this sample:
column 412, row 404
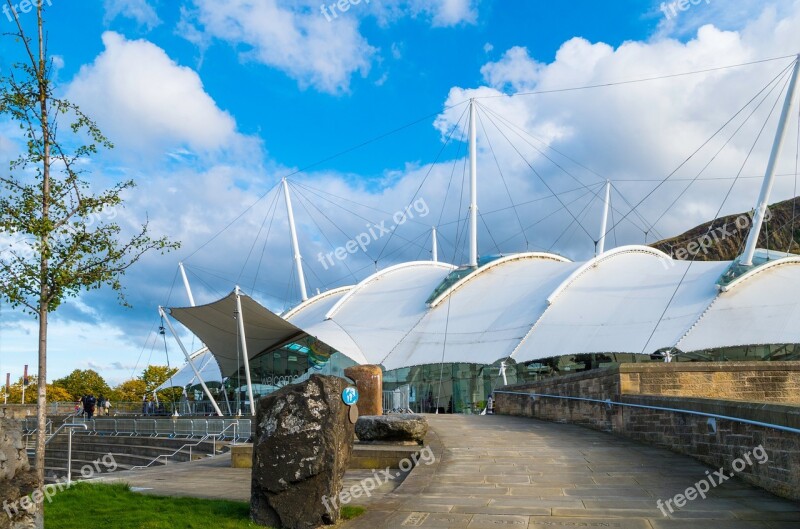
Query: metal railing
column 397, row 400
column 71, row 427
column 609, row 403
column 213, row 437
column 237, row 430
column 167, row 408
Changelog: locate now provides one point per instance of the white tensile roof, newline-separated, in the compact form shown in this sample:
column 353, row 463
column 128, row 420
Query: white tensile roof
column 632, row 299
column 205, row 363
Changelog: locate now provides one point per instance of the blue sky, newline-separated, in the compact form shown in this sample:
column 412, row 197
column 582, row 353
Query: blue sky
column 210, row 102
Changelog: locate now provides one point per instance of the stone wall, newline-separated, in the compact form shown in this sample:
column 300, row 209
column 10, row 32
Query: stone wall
column 746, row 381
column 764, row 392
column 17, row 479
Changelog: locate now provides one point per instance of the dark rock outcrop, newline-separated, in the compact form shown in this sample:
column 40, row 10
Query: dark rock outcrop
column 401, row 427
column 302, row 447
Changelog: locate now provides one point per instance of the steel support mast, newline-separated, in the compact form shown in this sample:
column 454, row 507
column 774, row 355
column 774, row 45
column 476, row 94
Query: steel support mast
column 769, row 179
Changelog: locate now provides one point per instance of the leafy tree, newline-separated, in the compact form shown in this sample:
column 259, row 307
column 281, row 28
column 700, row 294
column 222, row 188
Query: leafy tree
column 154, row 376
column 64, row 245
column 55, row 393
column 83, row 382
column 129, row 391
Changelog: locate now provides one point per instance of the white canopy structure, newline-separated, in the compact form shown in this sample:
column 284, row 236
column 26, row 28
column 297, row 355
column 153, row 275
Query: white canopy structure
column 632, row 299
column 206, row 365
column 524, row 307
column 216, row 325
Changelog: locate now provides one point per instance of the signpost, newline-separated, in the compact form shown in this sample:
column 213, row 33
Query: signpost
column 350, row 397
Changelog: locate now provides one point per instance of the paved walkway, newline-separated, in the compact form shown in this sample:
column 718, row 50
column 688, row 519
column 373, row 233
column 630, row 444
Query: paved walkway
column 494, row 471
column 507, row 472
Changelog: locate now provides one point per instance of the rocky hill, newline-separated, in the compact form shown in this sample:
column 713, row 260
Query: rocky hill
column 725, row 240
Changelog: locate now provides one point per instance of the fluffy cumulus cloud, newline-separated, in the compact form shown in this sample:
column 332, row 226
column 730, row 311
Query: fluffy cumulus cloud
column 148, row 104
column 138, row 10
column 291, row 37
column 638, row 133
column 319, row 44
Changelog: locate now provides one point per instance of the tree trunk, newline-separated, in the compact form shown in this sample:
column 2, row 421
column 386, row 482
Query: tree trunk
column 44, row 291
column 41, row 411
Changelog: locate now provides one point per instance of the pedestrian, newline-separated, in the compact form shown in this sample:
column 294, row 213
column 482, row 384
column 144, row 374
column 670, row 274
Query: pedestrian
column 100, row 402
column 107, row 406
column 144, row 404
column 89, row 403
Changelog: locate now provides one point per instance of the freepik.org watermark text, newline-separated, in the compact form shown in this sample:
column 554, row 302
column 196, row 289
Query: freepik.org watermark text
column 28, row 503
column 25, row 7
column 366, row 486
column 374, row 232
column 670, row 9
column 701, row 488
column 343, row 6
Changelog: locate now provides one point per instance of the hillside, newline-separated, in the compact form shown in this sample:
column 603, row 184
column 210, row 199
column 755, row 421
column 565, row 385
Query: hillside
column 725, row 240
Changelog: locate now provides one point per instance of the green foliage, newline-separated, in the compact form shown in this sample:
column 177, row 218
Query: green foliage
column 129, row 391
column 65, row 240
column 83, row 382
column 54, row 393
column 86, row 505
column 154, row 376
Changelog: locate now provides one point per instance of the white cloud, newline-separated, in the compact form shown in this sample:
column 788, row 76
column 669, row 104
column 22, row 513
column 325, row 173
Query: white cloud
column 138, row 10
column 317, row 44
column 644, row 131
column 439, row 13
column 146, row 103
column 297, row 40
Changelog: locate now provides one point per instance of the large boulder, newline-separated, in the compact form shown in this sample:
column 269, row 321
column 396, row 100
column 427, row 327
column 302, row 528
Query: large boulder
column 404, row 427
column 17, row 480
column 302, row 447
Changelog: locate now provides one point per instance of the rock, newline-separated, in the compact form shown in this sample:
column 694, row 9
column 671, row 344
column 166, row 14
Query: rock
column 17, row 480
column 369, row 381
column 302, row 447
column 400, row 427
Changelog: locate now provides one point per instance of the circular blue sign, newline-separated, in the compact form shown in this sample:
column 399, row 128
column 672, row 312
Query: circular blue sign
column 350, row 395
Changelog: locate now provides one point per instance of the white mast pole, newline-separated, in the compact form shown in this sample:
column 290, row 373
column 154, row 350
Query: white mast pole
column 189, row 360
column 601, row 244
column 769, row 180
column 435, row 245
column 473, row 185
column 186, row 285
column 298, row 260
column 243, row 340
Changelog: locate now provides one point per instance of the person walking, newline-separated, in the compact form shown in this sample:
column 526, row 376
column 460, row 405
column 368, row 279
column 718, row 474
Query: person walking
column 107, row 406
column 89, row 403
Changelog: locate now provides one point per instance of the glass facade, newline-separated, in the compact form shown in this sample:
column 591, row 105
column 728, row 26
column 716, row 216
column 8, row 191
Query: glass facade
column 451, row 387
column 288, row 364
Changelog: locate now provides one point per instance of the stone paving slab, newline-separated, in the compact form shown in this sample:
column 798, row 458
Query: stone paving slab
column 498, row 472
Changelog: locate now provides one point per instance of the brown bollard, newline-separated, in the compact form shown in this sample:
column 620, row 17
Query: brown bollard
column 369, row 381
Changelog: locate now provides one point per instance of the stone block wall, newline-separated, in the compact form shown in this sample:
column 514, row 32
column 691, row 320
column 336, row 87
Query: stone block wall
column 764, row 392
column 17, row 479
column 745, row 381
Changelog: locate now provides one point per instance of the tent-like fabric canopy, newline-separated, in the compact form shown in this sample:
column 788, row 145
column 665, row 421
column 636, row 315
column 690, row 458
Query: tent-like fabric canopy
column 216, row 326
column 632, row 299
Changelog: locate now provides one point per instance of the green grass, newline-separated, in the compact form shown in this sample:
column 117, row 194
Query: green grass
column 114, row 506
column 351, row 511
column 85, row 506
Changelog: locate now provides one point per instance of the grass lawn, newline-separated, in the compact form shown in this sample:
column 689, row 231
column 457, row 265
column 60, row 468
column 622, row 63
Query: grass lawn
column 85, row 506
